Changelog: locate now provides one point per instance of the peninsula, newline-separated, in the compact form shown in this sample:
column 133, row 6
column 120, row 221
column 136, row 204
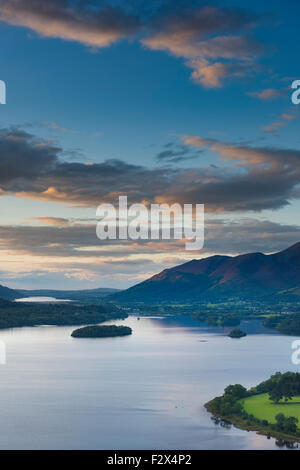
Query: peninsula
column 271, row 408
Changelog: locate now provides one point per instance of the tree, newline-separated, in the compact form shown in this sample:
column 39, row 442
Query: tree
column 283, row 386
column 280, row 419
column 290, row 425
column 236, row 391
column 276, row 395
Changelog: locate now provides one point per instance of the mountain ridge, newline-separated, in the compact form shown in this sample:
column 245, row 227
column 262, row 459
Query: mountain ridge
column 250, row 275
column 80, row 295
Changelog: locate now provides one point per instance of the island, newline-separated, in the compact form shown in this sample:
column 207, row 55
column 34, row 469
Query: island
column 105, row 331
column 237, row 333
column 271, row 408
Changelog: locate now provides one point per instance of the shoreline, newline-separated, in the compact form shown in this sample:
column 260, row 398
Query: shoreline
column 240, row 423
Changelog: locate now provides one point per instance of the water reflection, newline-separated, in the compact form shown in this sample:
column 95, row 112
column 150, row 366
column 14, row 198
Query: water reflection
column 146, row 391
column 49, row 300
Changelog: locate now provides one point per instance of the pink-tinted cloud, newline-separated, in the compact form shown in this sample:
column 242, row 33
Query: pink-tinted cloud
column 268, row 94
column 254, row 178
column 215, row 42
column 59, row 19
column 212, row 41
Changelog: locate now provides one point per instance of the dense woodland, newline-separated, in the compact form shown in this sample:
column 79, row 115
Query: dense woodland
column 14, row 314
column 285, row 324
column 281, row 386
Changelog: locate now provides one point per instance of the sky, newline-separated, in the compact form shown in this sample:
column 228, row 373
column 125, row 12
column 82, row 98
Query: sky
column 163, row 101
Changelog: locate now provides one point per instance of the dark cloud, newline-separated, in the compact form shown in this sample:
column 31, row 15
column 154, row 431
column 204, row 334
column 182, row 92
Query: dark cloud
column 249, row 235
column 72, row 21
column 24, row 157
column 261, row 178
column 48, row 256
column 79, row 241
column 34, row 168
column 251, row 178
column 173, row 153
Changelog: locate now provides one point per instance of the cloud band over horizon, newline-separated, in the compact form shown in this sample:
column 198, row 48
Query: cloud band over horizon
column 256, row 179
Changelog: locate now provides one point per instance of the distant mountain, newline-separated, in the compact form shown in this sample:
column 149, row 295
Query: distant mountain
column 8, row 294
column 249, row 276
column 88, row 295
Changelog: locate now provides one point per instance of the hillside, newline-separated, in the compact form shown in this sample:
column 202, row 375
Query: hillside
column 253, row 275
column 88, row 295
column 8, row 294
column 85, row 296
column 14, row 314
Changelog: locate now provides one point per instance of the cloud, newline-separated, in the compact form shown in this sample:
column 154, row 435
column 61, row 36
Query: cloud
column 34, row 168
column 212, row 75
column 223, row 235
column 61, row 221
column 215, row 42
column 262, row 177
column 274, row 127
column 173, row 153
column 249, row 235
column 23, row 157
column 78, row 243
column 289, row 117
column 72, row 255
column 249, row 179
column 55, row 221
column 72, row 22
column 268, row 94
column 52, row 125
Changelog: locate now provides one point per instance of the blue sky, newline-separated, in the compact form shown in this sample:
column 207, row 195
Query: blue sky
column 132, row 101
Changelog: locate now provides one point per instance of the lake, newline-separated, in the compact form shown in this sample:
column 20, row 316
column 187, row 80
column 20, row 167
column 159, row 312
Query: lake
column 144, row 391
column 49, row 300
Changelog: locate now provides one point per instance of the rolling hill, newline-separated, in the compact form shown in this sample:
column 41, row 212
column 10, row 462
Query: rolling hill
column 218, row 278
column 88, row 295
column 85, row 296
column 8, row 294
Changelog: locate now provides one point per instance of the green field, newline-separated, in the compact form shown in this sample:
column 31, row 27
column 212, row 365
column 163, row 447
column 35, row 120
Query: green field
column 262, row 408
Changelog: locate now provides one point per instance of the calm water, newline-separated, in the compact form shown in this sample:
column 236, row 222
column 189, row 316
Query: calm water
column 41, row 300
column 146, row 391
